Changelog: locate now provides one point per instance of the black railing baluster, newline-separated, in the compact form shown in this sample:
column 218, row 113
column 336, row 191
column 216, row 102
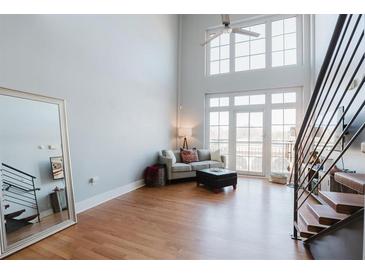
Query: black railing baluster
column 336, row 34
column 342, row 134
column 305, row 147
column 330, row 80
column 338, row 123
column 19, row 188
column 323, row 86
column 35, row 196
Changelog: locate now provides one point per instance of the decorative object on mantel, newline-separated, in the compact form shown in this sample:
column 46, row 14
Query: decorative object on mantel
column 185, row 132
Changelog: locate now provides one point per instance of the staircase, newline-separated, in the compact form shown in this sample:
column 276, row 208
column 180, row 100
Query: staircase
column 331, row 223
column 18, row 191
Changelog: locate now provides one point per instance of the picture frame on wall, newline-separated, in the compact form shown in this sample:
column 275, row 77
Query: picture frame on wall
column 57, row 168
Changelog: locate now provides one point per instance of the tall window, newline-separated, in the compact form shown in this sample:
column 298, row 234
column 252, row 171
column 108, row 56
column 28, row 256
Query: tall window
column 284, row 42
column 219, row 54
column 249, row 141
column 219, row 131
column 250, row 51
column 283, row 120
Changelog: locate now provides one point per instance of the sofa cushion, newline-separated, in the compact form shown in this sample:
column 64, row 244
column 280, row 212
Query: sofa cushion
column 189, row 155
column 199, row 165
column 215, row 155
column 180, row 167
column 204, row 154
column 170, row 154
column 175, row 152
column 177, row 156
column 215, row 164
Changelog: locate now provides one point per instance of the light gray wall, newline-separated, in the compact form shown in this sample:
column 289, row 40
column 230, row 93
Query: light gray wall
column 324, row 26
column 118, row 74
column 195, row 84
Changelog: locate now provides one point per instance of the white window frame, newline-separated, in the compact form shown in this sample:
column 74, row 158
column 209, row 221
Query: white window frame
column 268, row 48
column 249, row 53
column 267, row 107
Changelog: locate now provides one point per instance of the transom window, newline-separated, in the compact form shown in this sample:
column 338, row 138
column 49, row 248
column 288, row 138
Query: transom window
column 284, row 42
column 278, row 45
column 283, row 98
column 219, row 102
column 258, row 99
column 250, row 51
column 219, row 54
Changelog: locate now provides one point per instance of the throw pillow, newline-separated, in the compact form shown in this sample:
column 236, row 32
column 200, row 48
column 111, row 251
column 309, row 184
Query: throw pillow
column 189, row 155
column 204, row 154
column 170, row 154
column 215, row 155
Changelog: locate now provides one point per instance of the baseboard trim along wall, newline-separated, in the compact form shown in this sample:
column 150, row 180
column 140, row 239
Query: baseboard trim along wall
column 107, row 196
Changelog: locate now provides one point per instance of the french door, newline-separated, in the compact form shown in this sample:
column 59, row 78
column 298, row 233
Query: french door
column 255, row 130
column 249, row 142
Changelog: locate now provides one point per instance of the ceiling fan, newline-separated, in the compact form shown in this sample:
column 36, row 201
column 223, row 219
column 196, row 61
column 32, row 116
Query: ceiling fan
column 227, row 29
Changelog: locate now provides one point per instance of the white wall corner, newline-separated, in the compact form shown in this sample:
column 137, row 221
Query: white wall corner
column 107, row 196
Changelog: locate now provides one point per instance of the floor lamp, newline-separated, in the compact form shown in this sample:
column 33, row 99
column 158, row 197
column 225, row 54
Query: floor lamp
column 184, row 132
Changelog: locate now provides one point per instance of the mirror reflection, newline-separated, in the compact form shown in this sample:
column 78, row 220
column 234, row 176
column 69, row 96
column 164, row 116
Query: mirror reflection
column 32, row 170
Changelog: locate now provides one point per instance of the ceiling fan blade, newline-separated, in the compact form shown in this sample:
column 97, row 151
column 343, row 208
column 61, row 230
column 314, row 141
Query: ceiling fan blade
column 245, row 32
column 211, row 37
column 225, row 19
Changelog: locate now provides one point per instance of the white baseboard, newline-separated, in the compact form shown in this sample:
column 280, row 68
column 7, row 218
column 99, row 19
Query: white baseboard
column 106, row 196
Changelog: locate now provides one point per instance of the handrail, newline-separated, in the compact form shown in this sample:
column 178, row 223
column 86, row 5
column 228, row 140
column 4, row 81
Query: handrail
column 323, row 86
column 305, row 147
column 12, row 180
column 341, row 66
column 327, row 59
column 17, row 170
column 19, row 187
column 317, row 89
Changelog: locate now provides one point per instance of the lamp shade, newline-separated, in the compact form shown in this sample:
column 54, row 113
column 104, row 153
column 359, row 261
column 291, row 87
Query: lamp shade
column 184, row 132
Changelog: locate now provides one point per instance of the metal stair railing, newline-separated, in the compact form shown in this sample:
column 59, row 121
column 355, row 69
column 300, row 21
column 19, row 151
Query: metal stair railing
column 19, row 188
column 343, row 63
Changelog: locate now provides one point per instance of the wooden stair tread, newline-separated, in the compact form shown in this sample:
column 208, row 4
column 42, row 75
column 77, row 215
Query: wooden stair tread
column 303, row 232
column 309, row 220
column 326, row 215
column 14, row 214
column 29, row 218
column 343, row 202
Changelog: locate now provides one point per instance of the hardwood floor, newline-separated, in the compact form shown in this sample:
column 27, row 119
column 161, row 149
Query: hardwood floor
column 182, row 221
column 29, row 230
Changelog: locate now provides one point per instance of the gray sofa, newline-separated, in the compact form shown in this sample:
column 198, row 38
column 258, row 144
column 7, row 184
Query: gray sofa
column 181, row 170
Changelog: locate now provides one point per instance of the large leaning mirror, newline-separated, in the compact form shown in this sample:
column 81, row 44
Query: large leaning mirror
column 36, row 197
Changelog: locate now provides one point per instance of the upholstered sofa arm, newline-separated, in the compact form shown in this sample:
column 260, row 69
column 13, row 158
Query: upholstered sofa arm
column 224, row 160
column 163, row 160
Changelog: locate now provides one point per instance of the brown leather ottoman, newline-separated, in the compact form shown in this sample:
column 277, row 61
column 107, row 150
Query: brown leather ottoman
column 354, row 181
column 216, row 178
